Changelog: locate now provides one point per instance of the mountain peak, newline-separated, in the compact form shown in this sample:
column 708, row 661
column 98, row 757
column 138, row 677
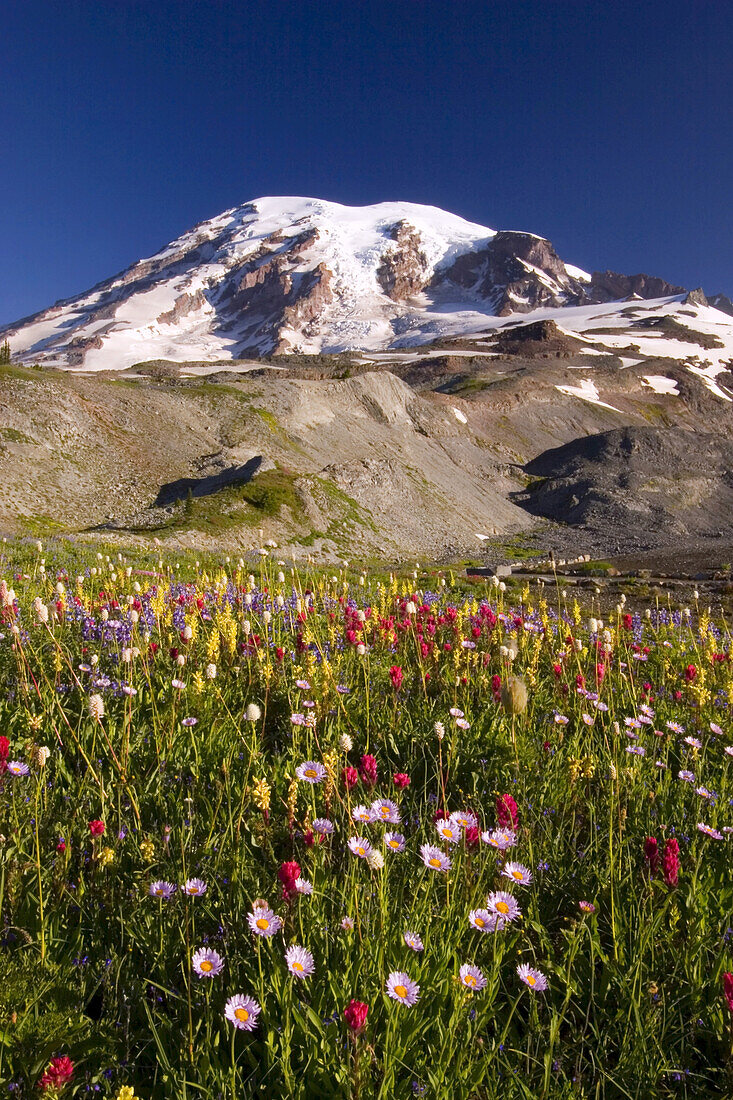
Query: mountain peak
column 282, row 274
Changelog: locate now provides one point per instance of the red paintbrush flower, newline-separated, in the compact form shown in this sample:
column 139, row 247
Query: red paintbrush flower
column 671, row 861
column 506, row 812
column 355, row 1015
column 651, row 853
column 58, row 1072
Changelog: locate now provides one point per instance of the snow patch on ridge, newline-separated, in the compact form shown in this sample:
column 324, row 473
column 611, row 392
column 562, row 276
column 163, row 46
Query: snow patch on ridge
column 661, row 384
column 586, row 391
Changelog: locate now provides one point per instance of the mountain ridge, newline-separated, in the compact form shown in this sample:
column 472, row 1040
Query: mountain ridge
column 283, row 275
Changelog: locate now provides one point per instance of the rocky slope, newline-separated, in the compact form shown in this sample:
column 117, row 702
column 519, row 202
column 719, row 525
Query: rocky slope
column 426, row 451
column 678, row 483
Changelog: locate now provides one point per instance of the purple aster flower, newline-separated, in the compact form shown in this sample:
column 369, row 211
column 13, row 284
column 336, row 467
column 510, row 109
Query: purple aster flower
column 400, row 987
column 395, row 841
column 504, row 905
column 242, row 1011
column 300, row 961
column 384, row 809
column 311, row 772
column 472, row 978
column 162, row 889
column 484, row 921
column 207, row 963
column 360, row 846
column 435, row 859
column 194, row 887
column 535, row 979
column 264, row 922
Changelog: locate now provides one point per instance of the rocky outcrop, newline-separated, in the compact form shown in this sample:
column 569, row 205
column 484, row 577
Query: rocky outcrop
column 184, row 304
column 675, row 482
column 696, row 298
column 610, row 286
column 272, row 289
column 516, row 272
column 722, row 302
column 314, row 293
column 404, row 271
column 79, row 345
column 540, row 340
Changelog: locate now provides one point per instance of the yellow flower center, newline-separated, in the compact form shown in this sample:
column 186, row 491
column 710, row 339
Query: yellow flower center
column 297, row 966
column 262, row 923
column 206, row 965
column 310, row 773
column 480, row 922
column 434, row 862
column 470, row 980
column 400, row 990
column 502, row 907
column 241, row 1014
column 385, row 811
column 517, row 875
column 360, row 851
column 193, row 889
column 531, row 980
column 394, row 843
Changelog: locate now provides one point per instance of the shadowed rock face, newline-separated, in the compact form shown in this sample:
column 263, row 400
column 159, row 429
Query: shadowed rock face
column 722, row 302
column 270, row 288
column 210, row 483
column 610, row 286
column 542, row 339
column 677, row 481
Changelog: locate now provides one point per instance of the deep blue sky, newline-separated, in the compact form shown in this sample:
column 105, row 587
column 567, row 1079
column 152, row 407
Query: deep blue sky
column 604, row 125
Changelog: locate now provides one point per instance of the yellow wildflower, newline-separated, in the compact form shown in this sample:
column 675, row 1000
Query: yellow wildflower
column 589, row 766
column 212, row 647
column 261, row 794
column 147, row 850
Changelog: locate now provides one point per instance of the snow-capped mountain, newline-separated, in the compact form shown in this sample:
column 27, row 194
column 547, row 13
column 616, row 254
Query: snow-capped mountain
column 280, row 275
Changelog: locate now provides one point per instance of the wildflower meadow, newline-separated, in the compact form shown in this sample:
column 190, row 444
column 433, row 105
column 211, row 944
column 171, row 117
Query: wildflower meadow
column 286, row 832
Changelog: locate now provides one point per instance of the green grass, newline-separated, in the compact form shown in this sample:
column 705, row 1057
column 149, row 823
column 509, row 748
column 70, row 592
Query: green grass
column 264, row 497
column 40, row 526
column 12, row 435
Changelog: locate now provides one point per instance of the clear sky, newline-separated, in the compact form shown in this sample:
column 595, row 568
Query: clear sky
column 604, row 125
